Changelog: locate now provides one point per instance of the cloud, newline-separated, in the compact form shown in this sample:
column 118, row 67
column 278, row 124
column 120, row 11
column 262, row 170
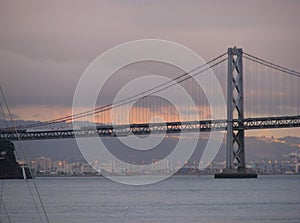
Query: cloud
column 45, row 47
column 7, row 116
column 29, row 81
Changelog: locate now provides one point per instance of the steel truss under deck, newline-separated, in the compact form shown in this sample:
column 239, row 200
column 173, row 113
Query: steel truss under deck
column 153, row 128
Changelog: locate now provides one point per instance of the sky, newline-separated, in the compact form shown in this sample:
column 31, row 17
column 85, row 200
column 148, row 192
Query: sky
column 45, row 46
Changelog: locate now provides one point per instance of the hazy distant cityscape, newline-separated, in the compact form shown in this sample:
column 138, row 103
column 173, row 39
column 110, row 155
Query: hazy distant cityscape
column 45, row 166
column 64, row 159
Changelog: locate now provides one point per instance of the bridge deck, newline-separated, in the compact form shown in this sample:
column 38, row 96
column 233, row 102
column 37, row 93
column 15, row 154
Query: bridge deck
column 153, row 128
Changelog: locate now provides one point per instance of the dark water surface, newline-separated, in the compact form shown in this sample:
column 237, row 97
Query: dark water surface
column 176, row 200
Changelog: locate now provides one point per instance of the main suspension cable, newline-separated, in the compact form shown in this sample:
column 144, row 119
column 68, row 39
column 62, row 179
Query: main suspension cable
column 271, row 65
column 141, row 95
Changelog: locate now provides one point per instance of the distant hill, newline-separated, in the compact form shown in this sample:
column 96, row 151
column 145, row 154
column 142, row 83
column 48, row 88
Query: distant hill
column 265, row 148
column 4, row 124
column 257, row 149
column 20, row 123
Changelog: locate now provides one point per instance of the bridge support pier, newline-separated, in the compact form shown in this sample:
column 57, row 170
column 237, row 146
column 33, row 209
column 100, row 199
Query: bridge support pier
column 235, row 147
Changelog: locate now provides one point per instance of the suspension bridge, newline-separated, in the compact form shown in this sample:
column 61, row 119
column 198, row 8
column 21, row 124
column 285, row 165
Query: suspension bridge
column 259, row 95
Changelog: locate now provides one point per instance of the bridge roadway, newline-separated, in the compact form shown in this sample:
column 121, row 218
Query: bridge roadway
column 154, row 128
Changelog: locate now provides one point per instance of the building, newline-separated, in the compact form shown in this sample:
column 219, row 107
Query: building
column 43, row 164
column 87, row 169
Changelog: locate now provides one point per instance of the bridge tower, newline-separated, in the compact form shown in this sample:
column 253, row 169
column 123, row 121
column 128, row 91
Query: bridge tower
column 235, row 146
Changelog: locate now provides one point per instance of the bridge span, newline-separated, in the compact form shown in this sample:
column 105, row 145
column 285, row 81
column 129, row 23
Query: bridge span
column 268, row 99
column 151, row 128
